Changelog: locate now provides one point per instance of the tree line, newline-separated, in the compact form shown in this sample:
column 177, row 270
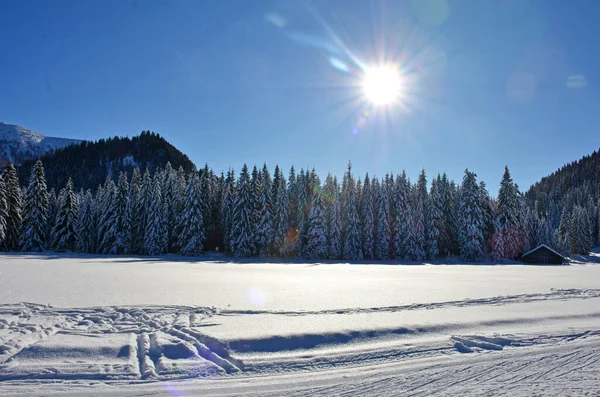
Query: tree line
column 256, row 214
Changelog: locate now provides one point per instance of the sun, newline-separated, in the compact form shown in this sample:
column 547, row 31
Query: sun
column 382, row 85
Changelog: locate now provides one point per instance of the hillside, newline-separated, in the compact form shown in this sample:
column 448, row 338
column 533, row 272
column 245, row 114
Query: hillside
column 573, row 188
column 88, row 163
column 19, row 144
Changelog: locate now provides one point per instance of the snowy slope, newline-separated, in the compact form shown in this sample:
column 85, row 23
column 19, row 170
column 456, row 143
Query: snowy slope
column 18, row 143
column 113, row 326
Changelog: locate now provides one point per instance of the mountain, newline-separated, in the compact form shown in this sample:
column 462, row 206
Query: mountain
column 89, row 163
column 569, row 199
column 19, row 144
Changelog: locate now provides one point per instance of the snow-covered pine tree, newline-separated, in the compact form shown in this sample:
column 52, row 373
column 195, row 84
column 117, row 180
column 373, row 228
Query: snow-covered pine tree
column 3, row 211
column 436, row 224
column 154, row 238
column 192, row 234
column 561, row 236
column 448, row 234
column 487, row 207
column 132, row 211
column 51, row 215
column 530, row 225
column 592, row 212
column 581, row 242
column 279, row 214
column 334, row 243
column 264, row 210
column 123, row 237
column 544, row 233
column 368, row 219
column 333, row 218
column 14, row 206
column 291, row 236
column 85, row 224
column 256, row 193
column 241, row 239
column 470, row 219
column 107, row 218
column 316, row 245
column 179, row 194
column 227, row 208
column 417, row 220
column 383, row 241
column 304, row 201
column 507, row 223
column 401, row 216
column 169, row 197
column 143, row 207
column 33, row 237
column 351, row 220
column 65, row 229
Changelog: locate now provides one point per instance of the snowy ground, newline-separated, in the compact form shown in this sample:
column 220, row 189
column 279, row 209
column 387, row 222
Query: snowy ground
column 169, row 326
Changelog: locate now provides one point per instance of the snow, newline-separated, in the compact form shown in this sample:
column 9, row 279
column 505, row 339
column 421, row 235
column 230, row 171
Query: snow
column 213, row 325
column 15, row 139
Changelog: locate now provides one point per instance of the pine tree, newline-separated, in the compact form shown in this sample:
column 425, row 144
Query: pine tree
column 279, row 214
column 51, row 215
column 304, row 198
column 131, row 226
column 227, row 208
column 3, row 211
column 123, row 229
column 401, row 217
column 85, row 224
column 169, row 198
column 417, row 220
column 143, row 207
column 154, row 238
column 241, row 231
column 368, row 220
column 436, row 224
column 13, row 207
column 580, row 231
column 351, row 220
column 107, row 218
column 333, row 219
column 264, row 209
column 316, row 245
column 33, row 238
column 383, row 241
column 291, row 237
column 65, row 229
column 470, row 219
column 562, row 238
column 448, row 245
column 507, row 224
column 192, row 235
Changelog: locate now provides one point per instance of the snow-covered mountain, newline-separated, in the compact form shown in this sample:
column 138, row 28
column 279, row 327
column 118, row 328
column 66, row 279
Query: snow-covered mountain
column 19, row 144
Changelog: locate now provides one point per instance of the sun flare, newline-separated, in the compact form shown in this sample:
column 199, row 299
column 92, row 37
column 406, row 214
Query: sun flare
column 382, row 85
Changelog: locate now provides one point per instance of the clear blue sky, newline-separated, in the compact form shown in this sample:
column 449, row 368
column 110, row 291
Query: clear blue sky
column 229, row 82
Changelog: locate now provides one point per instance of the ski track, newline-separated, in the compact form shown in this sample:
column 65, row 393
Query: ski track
column 149, row 343
column 553, row 295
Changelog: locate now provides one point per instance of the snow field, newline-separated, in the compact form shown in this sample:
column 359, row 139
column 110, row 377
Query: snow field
column 424, row 330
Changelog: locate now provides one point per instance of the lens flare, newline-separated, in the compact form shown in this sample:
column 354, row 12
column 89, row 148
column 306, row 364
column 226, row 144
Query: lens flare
column 382, row 85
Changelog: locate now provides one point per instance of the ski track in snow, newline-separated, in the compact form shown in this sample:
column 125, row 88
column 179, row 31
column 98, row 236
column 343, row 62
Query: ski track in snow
column 149, row 343
column 555, row 294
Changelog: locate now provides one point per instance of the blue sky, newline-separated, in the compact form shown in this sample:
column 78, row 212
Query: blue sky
column 510, row 82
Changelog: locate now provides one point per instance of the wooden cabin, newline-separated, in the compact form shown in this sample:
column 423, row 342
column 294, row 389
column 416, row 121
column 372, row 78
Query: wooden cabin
column 543, row 254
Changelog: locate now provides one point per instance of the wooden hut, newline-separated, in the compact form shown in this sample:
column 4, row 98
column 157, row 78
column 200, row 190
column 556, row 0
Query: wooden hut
column 544, row 255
